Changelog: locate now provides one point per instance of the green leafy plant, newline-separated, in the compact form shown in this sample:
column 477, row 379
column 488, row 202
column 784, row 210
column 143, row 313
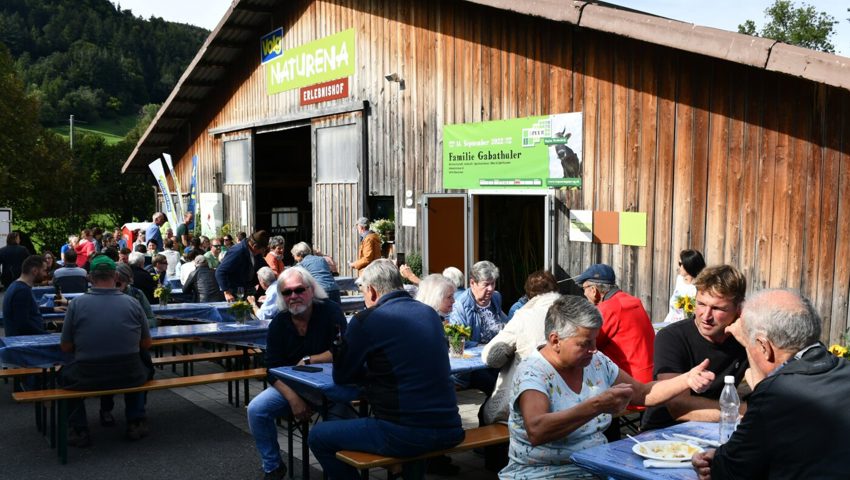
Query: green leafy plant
column 385, row 228
column 414, row 261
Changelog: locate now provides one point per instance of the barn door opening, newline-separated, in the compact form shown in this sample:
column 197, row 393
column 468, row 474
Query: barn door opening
column 339, row 185
column 513, row 230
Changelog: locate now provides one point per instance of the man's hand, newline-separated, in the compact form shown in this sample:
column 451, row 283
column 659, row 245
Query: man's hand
column 252, row 300
column 702, row 464
column 60, row 309
column 700, row 378
column 229, row 296
column 351, row 264
column 615, row 399
column 300, row 408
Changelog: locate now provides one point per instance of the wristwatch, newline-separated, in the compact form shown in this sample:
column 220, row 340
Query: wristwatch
column 306, row 360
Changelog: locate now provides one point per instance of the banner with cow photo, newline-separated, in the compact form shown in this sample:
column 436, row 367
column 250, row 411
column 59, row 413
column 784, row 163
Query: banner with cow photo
column 531, row 152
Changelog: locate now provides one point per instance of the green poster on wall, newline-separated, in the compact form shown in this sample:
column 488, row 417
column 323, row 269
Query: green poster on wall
column 531, row 152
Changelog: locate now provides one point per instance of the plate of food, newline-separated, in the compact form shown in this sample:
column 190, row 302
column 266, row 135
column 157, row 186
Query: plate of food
column 667, row 450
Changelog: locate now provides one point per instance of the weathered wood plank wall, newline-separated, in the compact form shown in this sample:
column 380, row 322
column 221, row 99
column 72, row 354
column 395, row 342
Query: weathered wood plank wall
column 751, row 167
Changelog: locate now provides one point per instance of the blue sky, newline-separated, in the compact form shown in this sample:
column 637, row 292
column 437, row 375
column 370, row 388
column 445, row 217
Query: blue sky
column 724, row 14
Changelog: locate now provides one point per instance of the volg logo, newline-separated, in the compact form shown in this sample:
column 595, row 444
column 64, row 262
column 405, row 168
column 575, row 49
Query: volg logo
column 271, row 45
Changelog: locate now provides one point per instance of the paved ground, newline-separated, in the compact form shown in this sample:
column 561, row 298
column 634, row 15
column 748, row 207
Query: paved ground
column 195, row 433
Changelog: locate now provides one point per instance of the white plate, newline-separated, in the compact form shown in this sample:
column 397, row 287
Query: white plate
column 666, row 450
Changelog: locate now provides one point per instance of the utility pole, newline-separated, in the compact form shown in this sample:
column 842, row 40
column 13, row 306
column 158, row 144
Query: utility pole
column 71, row 121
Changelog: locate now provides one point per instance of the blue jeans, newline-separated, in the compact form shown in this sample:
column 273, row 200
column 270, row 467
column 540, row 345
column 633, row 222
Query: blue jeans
column 270, row 405
column 375, row 436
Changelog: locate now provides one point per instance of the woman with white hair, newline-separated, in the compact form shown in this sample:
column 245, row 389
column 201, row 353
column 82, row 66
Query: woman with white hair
column 563, row 395
column 437, row 292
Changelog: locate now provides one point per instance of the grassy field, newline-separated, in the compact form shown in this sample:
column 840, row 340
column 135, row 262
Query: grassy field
column 112, row 130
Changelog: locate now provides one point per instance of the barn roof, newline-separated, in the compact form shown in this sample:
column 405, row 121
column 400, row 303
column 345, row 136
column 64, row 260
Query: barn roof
column 239, row 25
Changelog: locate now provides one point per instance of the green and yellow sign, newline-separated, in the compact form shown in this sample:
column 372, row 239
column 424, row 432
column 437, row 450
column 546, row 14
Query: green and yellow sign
column 319, row 61
column 531, row 152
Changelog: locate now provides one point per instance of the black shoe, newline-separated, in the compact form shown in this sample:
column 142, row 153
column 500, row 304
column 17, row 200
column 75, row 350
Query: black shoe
column 79, row 437
column 106, row 419
column 136, row 430
column 277, row 474
column 441, row 465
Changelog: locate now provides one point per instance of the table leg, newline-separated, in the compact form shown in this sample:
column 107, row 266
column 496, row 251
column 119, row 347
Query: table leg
column 62, row 432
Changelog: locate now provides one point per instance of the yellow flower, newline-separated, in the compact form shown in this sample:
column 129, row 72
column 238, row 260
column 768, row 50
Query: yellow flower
column 838, row 350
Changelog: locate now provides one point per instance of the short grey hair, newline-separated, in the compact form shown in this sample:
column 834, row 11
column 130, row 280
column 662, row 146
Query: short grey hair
column 455, row 275
column 200, row 260
column 277, row 240
column 432, row 290
column 124, row 272
column 363, row 222
column 158, row 215
column 301, row 249
column 266, row 275
column 784, row 317
column 484, row 271
column 382, row 275
column 319, row 293
column 136, row 258
column 569, row 313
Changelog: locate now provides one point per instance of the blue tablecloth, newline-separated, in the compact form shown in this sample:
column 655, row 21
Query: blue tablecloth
column 43, row 350
column 346, row 283
column 212, row 312
column 616, row 459
column 353, row 303
column 324, row 383
column 39, row 292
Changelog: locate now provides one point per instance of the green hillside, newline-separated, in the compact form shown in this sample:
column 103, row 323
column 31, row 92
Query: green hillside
column 112, row 130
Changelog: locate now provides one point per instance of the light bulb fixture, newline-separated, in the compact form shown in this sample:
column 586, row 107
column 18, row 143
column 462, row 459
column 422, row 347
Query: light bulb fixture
column 393, row 77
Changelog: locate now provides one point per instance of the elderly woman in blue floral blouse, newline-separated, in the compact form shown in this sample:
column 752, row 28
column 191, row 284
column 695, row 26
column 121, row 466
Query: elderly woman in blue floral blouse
column 565, row 393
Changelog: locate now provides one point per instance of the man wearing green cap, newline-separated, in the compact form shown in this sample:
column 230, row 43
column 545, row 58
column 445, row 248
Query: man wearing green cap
column 105, row 313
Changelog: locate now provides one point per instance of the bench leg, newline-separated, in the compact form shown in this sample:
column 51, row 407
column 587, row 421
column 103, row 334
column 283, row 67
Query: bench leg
column 62, row 432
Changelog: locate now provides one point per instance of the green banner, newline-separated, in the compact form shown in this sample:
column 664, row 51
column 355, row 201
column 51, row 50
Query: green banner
column 319, row 61
column 531, row 152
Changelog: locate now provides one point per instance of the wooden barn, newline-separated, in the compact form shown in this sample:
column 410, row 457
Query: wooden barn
column 306, row 114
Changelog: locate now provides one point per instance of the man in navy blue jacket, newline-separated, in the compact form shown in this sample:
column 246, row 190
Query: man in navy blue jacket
column 239, row 267
column 397, row 351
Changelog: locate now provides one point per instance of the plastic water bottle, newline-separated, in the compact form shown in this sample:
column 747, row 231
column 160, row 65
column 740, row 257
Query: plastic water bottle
column 729, row 408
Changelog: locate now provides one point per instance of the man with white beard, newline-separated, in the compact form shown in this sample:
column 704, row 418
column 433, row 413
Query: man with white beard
column 302, row 333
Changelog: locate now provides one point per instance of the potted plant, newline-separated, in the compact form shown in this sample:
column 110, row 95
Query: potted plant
column 241, row 310
column 385, row 228
column 457, row 336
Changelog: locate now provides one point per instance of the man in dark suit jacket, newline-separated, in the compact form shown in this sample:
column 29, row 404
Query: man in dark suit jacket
column 797, row 418
column 239, row 267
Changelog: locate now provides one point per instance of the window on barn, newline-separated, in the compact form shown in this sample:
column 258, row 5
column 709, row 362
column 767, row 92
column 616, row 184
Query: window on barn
column 338, row 154
column 237, row 161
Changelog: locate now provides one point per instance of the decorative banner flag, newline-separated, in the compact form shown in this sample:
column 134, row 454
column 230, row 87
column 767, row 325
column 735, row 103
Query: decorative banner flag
column 191, row 205
column 178, row 207
column 159, row 175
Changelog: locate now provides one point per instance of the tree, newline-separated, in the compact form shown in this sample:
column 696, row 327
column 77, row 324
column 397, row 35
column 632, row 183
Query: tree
column 802, row 26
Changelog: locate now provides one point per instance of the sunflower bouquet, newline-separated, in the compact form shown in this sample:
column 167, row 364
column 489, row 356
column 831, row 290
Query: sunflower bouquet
column 456, row 335
column 687, row 304
column 840, row 349
column 240, row 310
column 162, row 292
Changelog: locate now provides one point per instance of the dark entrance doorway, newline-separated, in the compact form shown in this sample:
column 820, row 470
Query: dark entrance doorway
column 510, row 233
column 283, row 177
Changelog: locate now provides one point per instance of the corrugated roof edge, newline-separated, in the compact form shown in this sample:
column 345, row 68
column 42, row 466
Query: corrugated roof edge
column 735, row 47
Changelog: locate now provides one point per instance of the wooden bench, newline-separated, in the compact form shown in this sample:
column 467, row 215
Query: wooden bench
column 189, row 359
column 61, row 396
column 474, row 438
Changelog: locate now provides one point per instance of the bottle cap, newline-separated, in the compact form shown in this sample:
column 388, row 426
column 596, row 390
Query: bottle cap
column 729, row 379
